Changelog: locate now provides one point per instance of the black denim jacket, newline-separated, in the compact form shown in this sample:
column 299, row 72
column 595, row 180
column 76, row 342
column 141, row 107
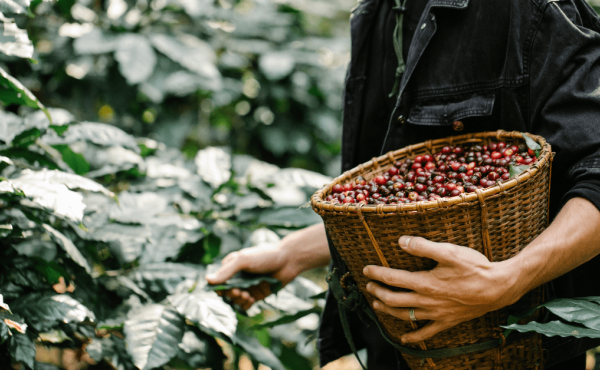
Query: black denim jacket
column 516, row 65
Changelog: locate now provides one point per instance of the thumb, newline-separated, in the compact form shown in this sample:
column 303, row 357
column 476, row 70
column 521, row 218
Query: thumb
column 421, row 247
column 230, row 267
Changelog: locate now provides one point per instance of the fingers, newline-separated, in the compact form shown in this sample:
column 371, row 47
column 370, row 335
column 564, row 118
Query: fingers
column 230, row 266
column 420, row 281
column 428, row 331
column 401, row 313
column 399, row 299
column 421, row 247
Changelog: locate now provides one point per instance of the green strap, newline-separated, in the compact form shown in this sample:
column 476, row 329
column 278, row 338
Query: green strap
column 399, row 8
column 348, row 333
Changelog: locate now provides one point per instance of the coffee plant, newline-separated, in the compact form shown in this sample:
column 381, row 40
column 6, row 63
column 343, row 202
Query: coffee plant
column 117, row 265
column 112, row 264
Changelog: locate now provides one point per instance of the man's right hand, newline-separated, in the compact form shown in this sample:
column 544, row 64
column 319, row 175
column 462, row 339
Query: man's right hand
column 301, row 250
column 268, row 259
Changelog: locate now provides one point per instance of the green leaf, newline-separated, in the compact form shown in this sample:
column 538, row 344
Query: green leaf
column 289, row 217
column 153, row 333
column 5, row 230
column 555, row 328
column 161, row 279
column 22, row 349
column 27, row 137
column 98, row 133
column 52, row 196
column 214, row 166
column 68, row 179
column 517, row 170
column 531, row 144
column 30, row 156
column 76, row 161
column 69, row 247
column 212, row 248
column 13, row 92
column 245, row 280
column 206, row 309
column 50, row 270
column 576, row 310
column 41, row 312
column 14, row 6
column 55, row 336
column 13, row 40
column 136, row 57
column 259, row 353
column 59, row 129
column 286, row 319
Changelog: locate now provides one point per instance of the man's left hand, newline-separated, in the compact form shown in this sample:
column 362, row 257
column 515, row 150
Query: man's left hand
column 463, row 286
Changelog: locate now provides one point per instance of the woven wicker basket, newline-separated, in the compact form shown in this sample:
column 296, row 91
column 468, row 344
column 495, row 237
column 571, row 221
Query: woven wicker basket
column 498, row 222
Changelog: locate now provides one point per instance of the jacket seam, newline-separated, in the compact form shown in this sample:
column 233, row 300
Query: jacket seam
column 471, row 87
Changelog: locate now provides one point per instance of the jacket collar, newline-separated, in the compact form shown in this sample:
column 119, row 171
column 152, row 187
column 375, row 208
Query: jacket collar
column 456, row 4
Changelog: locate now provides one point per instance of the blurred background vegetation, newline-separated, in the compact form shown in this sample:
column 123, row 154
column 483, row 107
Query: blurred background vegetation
column 106, row 231
column 261, row 77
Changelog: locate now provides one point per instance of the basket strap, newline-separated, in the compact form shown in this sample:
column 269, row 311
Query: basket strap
column 384, row 262
column 485, row 233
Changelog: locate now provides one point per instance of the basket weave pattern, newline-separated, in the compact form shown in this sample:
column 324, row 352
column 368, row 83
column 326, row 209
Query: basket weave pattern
column 498, row 222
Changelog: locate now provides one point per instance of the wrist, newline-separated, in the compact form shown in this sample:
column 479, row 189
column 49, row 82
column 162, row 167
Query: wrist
column 512, row 277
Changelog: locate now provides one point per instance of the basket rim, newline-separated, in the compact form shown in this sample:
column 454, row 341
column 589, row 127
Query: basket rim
column 320, row 205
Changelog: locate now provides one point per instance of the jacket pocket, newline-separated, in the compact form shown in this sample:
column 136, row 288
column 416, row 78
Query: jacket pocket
column 444, row 112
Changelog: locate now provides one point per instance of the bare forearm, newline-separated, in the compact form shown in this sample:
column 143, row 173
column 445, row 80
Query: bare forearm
column 307, row 248
column 572, row 239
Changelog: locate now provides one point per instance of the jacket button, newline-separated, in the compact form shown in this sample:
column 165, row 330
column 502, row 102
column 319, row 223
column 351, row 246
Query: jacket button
column 401, row 119
column 458, row 125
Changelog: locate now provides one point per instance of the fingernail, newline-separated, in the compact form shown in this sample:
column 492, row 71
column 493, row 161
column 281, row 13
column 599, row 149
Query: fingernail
column 403, row 339
column 369, row 286
column 405, row 244
column 366, row 270
column 376, row 305
column 211, row 276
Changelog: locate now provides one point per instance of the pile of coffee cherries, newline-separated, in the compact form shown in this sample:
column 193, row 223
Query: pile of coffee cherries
column 452, row 171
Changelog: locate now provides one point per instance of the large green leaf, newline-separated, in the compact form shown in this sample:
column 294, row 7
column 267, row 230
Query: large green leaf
column 14, row 6
column 258, row 352
column 98, row 133
column 192, row 53
column 576, row 310
column 69, row 247
column 245, row 280
column 41, row 312
column 126, row 242
column 52, row 196
column 200, row 350
column 556, row 328
column 76, row 161
column 22, row 349
column 289, row 217
column 153, row 333
column 214, row 166
column 13, row 40
column 13, row 92
column 286, row 319
column 207, row 310
column 70, row 180
column 136, row 57
column 161, row 279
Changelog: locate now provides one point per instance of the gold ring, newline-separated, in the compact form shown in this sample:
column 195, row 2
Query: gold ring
column 411, row 314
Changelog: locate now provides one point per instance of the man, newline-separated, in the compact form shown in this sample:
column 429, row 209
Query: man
column 471, row 66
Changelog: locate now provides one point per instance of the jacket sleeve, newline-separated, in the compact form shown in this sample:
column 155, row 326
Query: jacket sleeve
column 565, row 97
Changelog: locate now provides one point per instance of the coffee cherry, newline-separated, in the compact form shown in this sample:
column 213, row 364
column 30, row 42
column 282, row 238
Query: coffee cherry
column 446, row 150
column 393, row 171
column 380, row 180
column 419, row 187
column 337, row 188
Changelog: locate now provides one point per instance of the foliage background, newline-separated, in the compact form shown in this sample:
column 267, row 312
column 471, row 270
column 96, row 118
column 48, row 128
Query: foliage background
column 107, row 232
